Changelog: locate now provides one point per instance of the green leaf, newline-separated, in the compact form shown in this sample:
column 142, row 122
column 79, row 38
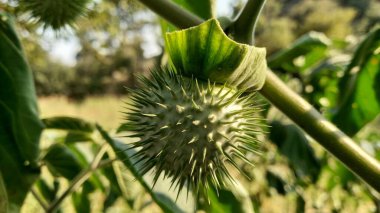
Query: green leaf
column 110, row 174
column 74, row 137
column 115, row 189
column 302, row 54
column 68, row 123
column 160, row 194
column 47, row 192
column 360, row 88
column 292, row 143
column 111, row 198
column 321, row 85
column 81, row 151
column 61, row 161
column 20, row 127
column 205, row 52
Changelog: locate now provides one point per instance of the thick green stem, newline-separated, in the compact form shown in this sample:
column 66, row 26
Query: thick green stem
column 289, row 102
column 245, row 24
column 328, row 135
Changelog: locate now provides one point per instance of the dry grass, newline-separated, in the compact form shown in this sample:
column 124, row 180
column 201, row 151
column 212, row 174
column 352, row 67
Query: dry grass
column 105, row 110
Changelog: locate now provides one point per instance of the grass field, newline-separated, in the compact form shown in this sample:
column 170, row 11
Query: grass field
column 105, row 110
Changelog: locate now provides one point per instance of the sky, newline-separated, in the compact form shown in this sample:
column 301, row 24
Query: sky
column 64, row 48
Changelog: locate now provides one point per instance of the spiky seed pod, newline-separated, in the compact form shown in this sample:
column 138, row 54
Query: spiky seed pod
column 55, row 13
column 188, row 130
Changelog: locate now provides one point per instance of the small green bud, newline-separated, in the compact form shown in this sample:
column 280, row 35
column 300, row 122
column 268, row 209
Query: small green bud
column 191, row 129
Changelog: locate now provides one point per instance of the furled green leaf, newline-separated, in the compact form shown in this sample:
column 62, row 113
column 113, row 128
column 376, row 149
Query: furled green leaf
column 160, row 193
column 206, row 52
column 302, row 54
column 360, row 88
column 20, row 127
column 68, row 123
column 292, row 143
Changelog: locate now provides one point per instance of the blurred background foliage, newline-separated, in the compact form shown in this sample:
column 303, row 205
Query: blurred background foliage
column 294, row 174
column 112, row 41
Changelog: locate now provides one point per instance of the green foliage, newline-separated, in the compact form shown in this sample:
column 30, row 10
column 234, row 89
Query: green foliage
column 284, row 21
column 305, row 52
column 47, row 192
column 361, row 79
column 322, row 84
column 62, row 162
column 225, row 200
column 20, row 127
column 167, row 202
column 292, row 143
column 81, row 199
column 292, row 174
column 68, row 123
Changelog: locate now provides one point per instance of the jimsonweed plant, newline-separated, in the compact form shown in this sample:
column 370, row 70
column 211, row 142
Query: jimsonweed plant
column 195, row 120
column 198, row 114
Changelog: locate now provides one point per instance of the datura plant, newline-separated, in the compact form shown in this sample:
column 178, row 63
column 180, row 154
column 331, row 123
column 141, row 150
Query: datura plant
column 199, row 114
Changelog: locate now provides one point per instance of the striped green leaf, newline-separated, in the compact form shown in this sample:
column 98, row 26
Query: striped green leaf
column 205, row 52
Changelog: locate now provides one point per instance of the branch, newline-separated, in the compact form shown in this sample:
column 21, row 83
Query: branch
column 97, row 163
column 245, row 24
column 324, row 132
column 289, row 102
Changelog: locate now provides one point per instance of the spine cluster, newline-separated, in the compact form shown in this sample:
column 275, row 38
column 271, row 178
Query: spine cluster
column 188, row 130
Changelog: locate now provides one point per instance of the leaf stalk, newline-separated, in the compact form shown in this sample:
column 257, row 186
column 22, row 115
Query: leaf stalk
column 244, row 26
